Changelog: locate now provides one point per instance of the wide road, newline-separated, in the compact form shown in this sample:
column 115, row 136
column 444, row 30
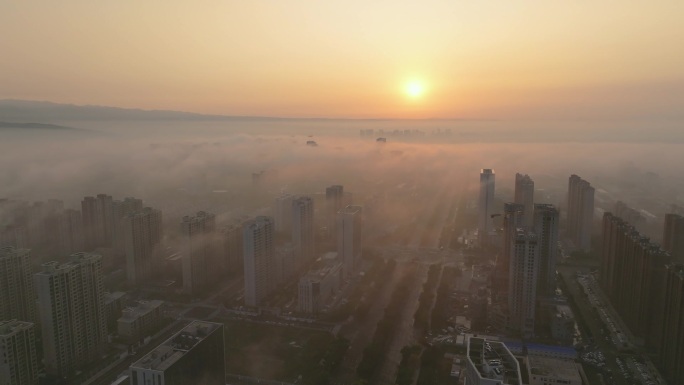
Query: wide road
column 363, row 333
column 404, row 332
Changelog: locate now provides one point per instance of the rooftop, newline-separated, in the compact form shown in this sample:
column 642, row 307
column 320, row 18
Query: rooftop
column 111, row 297
column 8, row 328
column 144, row 307
column 551, row 367
column 351, row 209
column 494, row 361
column 171, row 350
column 317, row 275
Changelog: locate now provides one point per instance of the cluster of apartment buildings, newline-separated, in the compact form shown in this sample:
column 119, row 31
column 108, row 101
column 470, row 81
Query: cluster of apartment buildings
column 645, row 284
column 296, row 219
column 526, row 265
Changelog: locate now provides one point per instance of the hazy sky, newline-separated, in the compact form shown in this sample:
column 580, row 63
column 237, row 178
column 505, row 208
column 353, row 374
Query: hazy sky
column 473, row 59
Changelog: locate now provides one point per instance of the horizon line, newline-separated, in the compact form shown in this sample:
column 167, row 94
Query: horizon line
column 210, row 116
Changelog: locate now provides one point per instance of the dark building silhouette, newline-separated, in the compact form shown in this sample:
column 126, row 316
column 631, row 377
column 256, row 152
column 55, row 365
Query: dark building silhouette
column 672, row 343
column 195, row 355
column 580, row 212
column 545, row 223
column 303, row 234
column 673, row 236
column 97, row 221
column 524, row 195
column 19, row 363
column 17, row 293
column 72, row 313
column 197, row 235
column 334, row 201
column 512, row 220
column 633, row 277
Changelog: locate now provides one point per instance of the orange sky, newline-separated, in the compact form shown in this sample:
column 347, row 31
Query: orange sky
column 476, row 59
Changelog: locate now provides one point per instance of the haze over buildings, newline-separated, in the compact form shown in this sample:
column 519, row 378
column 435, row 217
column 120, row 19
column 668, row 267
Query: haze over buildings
column 485, row 206
column 189, row 218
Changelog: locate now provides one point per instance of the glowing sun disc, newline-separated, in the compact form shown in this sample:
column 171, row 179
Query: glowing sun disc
column 414, row 89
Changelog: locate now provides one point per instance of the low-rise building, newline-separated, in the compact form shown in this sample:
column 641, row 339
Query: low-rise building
column 138, row 322
column 317, row 287
column 194, row 355
column 491, row 363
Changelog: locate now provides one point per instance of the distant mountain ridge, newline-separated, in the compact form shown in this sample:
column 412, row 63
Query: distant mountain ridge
column 48, row 112
column 43, row 126
column 44, row 112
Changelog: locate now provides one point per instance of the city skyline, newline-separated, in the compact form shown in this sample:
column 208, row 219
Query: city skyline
column 341, row 193
column 528, row 60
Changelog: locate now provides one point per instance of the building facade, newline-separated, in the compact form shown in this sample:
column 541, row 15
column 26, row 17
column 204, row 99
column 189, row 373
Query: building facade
column 232, row 238
column 97, row 221
column 349, row 238
column 672, row 344
column 335, row 198
column 485, row 206
column 17, row 293
column 142, row 235
column 546, row 220
column 317, row 287
column 18, row 357
column 259, row 260
column 303, row 231
column 522, row 287
column 141, row 321
column 120, row 209
column 524, row 195
column 71, row 232
column 673, row 236
column 72, row 313
column 633, row 273
column 197, row 237
column 282, row 213
column 580, row 212
column 512, row 221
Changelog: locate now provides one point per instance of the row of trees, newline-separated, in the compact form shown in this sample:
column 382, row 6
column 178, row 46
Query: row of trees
column 374, row 354
column 422, row 316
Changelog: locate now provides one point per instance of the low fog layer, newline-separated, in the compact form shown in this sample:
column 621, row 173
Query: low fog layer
column 182, row 162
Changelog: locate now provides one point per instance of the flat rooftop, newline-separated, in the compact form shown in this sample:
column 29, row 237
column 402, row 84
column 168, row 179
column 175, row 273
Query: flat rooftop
column 110, row 297
column 171, row 350
column 319, row 274
column 494, row 361
column 8, row 328
column 144, row 307
column 551, row 367
column 351, row 209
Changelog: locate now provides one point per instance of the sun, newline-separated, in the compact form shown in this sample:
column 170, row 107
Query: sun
column 414, row 89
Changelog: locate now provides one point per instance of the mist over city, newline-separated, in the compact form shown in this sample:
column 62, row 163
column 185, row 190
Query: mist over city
column 341, row 193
